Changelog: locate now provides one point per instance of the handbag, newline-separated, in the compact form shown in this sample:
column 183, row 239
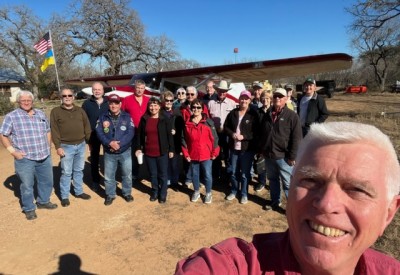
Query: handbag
column 259, row 165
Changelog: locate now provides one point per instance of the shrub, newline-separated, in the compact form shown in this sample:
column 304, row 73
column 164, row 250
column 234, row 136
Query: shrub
column 5, row 106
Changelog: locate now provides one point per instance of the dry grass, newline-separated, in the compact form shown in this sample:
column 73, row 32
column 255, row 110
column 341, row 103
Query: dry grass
column 382, row 111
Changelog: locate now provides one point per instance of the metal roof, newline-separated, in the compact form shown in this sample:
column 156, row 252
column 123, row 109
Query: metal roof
column 10, row 76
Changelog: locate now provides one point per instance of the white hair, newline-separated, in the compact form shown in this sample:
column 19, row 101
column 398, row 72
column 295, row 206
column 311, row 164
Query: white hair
column 181, row 90
column 22, row 93
column 191, row 88
column 352, row 132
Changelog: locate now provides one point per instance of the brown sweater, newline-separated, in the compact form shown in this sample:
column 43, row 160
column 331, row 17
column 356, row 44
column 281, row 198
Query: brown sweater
column 69, row 126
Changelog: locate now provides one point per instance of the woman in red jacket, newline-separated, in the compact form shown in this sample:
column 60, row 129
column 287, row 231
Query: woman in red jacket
column 200, row 147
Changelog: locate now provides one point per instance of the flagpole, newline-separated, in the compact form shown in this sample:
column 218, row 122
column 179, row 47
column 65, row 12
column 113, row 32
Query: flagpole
column 55, row 62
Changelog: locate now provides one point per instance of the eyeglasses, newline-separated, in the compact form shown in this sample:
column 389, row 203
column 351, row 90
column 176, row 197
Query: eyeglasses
column 197, row 107
column 191, row 94
column 26, row 101
column 180, row 93
column 169, row 100
column 278, row 96
column 67, row 95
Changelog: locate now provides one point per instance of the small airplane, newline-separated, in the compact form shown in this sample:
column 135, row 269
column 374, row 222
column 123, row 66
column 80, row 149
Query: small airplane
column 248, row 72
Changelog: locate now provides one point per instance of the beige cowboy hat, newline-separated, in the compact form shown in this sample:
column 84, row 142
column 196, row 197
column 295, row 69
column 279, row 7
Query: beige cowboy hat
column 223, row 85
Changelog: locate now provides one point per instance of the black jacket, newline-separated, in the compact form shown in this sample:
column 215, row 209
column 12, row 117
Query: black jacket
column 317, row 112
column 280, row 139
column 166, row 142
column 248, row 128
column 176, row 123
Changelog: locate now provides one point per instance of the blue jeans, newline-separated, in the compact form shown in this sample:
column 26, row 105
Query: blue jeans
column 173, row 170
column 206, row 169
column 278, row 170
column 241, row 164
column 111, row 162
column 158, row 170
column 72, row 167
column 27, row 170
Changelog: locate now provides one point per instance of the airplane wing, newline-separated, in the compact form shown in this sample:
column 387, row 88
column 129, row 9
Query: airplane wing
column 242, row 72
column 261, row 70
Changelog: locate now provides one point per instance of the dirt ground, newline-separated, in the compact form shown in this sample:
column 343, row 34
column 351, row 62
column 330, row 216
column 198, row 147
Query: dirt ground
column 142, row 237
column 125, row 238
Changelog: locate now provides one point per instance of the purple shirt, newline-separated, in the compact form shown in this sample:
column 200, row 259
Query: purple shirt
column 28, row 134
column 268, row 254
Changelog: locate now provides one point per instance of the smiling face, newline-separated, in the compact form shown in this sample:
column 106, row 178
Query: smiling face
column 257, row 92
column 244, row 102
column 154, row 109
column 279, row 101
column 139, row 90
column 210, row 88
column 265, row 100
column 25, row 102
column 181, row 95
column 337, row 205
column 190, row 94
column 309, row 88
column 196, row 109
column 115, row 107
column 67, row 98
column 97, row 90
column 168, row 101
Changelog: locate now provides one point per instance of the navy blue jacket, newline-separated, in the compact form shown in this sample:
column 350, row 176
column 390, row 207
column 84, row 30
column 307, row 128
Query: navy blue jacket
column 94, row 110
column 123, row 131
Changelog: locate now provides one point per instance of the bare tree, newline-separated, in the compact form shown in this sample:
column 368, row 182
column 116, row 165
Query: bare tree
column 376, row 35
column 374, row 14
column 19, row 31
column 110, row 30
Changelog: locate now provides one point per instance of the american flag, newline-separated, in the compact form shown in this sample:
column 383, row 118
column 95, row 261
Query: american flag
column 43, row 44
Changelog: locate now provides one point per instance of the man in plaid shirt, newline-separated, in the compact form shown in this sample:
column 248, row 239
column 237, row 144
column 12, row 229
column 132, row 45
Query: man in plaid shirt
column 26, row 135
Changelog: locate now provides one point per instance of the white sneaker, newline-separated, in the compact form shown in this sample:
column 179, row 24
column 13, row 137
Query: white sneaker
column 243, row 200
column 188, row 184
column 230, row 197
column 195, row 196
column 208, row 198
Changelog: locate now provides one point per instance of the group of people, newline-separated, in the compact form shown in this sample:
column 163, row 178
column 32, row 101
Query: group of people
column 343, row 192
column 217, row 138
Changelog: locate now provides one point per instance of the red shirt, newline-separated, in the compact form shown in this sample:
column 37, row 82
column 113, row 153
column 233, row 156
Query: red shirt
column 268, row 254
column 136, row 110
column 152, row 143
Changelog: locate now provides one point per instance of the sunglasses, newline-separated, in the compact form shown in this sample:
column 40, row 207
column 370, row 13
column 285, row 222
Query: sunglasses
column 169, row 100
column 197, row 107
column 67, row 95
column 180, row 93
column 190, row 94
column 278, row 96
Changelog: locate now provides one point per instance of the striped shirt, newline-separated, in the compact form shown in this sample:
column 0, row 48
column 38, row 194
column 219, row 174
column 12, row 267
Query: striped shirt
column 28, row 134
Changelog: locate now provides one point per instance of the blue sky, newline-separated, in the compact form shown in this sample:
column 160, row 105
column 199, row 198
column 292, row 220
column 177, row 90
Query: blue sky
column 207, row 31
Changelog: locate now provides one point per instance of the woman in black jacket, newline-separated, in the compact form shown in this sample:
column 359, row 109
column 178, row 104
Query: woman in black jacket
column 241, row 126
column 156, row 142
